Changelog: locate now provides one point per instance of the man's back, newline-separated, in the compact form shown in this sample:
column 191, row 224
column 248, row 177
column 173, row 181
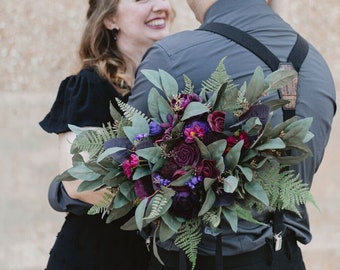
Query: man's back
column 197, row 54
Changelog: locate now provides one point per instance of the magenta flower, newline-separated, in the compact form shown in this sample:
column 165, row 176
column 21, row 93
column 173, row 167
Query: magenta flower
column 195, row 129
column 129, row 164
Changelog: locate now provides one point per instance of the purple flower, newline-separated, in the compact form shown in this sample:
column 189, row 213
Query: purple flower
column 194, row 181
column 185, row 204
column 143, row 187
column 260, row 110
column 180, row 102
column 155, row 128
column 186, row 154
column 195, row 129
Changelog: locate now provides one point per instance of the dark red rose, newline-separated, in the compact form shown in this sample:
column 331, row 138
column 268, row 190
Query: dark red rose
column 216, row 121
column 232, row 140
column 207, row 168
column 186, row 154
column 185, row 204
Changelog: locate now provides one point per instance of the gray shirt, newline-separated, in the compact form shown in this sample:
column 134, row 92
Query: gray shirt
column 197, row 54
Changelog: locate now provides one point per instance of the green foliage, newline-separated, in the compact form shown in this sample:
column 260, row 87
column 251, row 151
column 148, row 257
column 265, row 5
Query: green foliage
column 188, row 238
column 103, row 206
column 284, row 189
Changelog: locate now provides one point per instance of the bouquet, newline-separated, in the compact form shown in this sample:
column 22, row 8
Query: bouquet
column 202, row 156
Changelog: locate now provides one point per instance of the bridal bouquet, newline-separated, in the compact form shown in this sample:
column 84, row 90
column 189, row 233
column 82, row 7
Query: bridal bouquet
column 202, row 156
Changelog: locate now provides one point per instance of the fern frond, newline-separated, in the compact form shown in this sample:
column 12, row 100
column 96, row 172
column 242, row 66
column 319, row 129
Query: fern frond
column 216, row 79
column 189, row 87
column 90, row 141
column 284, row 188
column 103, row 206
column 188, row 238
column 130, row 111
column 212, row 218
column 160, row 202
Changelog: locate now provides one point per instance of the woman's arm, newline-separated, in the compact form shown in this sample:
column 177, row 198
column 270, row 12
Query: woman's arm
column 65, row 162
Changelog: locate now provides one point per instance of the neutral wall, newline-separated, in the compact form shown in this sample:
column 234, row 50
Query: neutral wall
column 38, row 43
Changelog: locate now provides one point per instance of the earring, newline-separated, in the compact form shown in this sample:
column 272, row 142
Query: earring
column 115, row 33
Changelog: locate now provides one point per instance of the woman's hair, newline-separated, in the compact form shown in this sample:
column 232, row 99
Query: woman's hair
column 98, row 48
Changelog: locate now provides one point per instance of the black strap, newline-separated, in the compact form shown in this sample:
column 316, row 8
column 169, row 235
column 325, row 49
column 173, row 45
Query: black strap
column 296, row 56
column 246, row 41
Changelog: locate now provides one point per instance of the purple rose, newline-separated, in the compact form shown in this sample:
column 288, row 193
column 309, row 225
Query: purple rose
column 185, row 204
column 216, row 121
column 185, row 154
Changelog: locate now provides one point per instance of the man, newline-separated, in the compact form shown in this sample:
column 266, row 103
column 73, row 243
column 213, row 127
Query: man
column 197, row 54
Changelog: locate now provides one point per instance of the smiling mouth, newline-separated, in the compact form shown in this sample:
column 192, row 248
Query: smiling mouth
column 156, row 22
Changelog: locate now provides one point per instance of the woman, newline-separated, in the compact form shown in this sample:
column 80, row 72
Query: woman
column 117, row 34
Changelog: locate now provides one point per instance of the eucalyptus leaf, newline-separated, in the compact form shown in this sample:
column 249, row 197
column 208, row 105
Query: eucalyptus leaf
column 153, row 76
column 208, row 182
column 256, row 86
column 230, row 215
column 139, row 213
column 275, row 143
column 257, row 191
column 253, row 126
column 140, row 172
column 181, row 180
column 83, row 173
column 233, row 156
column 152, row 154
column 208, row 203
column 279, row 79
column 194, row 109
column 117, row 213
column 165, row 232
column 230, row 184
column 169, row 84
column 247, row 172
column 127, row 189
column 217, row 148
column 92, row 185
column 139, row 126
column 173, row 222
column 109, row 152
column 120, row 200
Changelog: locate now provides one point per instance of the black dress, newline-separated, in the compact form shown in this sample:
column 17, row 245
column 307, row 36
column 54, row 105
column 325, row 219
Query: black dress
column 87, row 242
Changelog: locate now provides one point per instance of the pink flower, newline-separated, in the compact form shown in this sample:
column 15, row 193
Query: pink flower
column 129, row 164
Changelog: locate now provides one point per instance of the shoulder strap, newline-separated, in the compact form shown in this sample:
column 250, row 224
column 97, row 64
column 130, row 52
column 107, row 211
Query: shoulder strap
column 296, row 56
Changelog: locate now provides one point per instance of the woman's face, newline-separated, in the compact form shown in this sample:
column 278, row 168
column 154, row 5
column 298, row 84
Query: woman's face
column 142, row 22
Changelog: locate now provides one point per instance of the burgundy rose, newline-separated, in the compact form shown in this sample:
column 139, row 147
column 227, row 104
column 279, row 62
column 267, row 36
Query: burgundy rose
column 242, row 136
column 216, row 121
column 185, row 204
column 185, row 154
column 207, row 168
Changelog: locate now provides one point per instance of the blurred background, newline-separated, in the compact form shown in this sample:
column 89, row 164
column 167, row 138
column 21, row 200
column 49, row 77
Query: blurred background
column 38, row 49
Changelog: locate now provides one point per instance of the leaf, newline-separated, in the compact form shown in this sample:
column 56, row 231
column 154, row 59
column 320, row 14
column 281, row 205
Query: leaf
column 127, row 189
column 174, row 223
column 158, row 107
column 139, row 126
column 217, row 149
column 139, row 213
column 90, row 185
column 114, row 113
column 247, row 172
column 193, row 109
column 256, row 86
column 275, row 143
column 153, row 76
column 109, row 152
column 165, row 232
column 253, row 126
column 230, row 184
column 256, row 190
column 117, row 213
column 181, row 180
column 140, row 172
column 208, row 203
column 120, row 200
column 233, row 156
column 152, row 154
column 230, row 215
column 279, row 79
column 169, row 84
column 82, row 172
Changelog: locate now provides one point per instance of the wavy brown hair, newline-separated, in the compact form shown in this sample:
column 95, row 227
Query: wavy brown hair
column 98, row 48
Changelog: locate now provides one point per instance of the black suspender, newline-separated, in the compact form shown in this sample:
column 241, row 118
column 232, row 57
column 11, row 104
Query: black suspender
column 296, row 56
